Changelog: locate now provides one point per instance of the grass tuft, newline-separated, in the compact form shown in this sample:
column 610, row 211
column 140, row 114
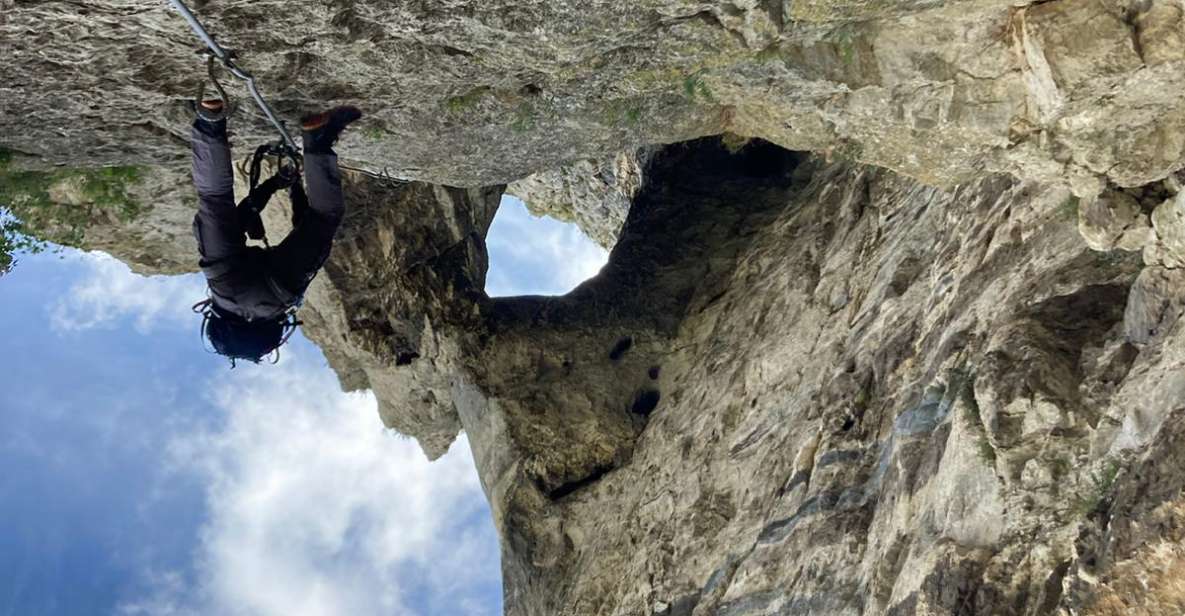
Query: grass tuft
column 1068, row 210
column 524, row 118
column 466, row 101
column 695, row 88
column 30, row 218
column 1101, row 482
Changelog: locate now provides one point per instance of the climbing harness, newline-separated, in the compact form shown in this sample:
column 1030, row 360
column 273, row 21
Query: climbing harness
column 286, row 176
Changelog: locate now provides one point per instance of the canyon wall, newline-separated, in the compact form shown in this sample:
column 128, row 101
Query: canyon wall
column 904, row 340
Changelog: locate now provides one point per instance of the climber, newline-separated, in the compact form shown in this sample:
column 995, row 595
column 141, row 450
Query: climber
column 254, row 291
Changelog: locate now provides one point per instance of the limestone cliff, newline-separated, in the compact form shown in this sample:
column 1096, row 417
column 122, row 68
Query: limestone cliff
column 913, row 348
column 476, row 93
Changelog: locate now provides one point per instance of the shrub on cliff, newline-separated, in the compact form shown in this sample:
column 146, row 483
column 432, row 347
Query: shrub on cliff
column 39, row 207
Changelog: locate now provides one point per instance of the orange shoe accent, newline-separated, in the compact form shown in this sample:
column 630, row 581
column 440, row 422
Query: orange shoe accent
column 212, row 105
column 314, row 122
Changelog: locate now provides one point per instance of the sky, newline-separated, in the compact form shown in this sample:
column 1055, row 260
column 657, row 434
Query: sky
column 140, row 476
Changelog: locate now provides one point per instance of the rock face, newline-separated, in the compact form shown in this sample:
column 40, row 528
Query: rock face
column 854, row 394
column 388, row 310
column 595, row 195
column 949, row 383
column 482, row 93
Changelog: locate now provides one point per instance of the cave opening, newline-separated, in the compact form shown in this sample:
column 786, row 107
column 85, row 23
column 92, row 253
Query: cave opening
column 537, row 255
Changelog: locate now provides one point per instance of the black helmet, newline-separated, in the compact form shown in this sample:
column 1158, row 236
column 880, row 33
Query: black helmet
column 237, row 338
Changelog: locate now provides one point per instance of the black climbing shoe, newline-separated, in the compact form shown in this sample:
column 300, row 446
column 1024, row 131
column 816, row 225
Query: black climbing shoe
column 321, row 130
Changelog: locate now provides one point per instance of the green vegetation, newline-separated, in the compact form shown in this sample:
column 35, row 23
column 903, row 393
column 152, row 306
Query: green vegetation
column 770, row 54
column 374, row 132
column 14, row 238
column 622, row 112
column 849, row 151
column 1060, row 467
column 695, row 88
column 845, row 47
column 861, row 402
column 1117, row 257
column 987, row 453
column 1101, row 483
column 524, row 118
column 29, row 216
column 962, row 382
column 466, row 101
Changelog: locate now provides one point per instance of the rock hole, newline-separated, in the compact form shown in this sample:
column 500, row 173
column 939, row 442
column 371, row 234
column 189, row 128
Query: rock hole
column 404, row 359
column 653, row 372
column 567, row 488
column 533, row 255
column 621, row 348
column 645, row 402
column 848, row 424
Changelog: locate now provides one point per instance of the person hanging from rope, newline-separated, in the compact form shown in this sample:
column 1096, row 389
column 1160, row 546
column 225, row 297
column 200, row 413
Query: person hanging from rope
column 254, row 291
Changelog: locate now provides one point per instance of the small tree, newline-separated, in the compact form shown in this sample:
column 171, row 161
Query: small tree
column 14, row 239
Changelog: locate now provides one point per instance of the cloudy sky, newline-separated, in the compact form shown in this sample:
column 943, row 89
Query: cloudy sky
column 140, row 476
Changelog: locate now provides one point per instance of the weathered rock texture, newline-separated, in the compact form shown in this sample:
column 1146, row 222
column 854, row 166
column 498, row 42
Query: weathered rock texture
column 595, row 195
column 951, row 383
column 478, row 93
column 407, row 272
column 862, row 395
column 797, row 387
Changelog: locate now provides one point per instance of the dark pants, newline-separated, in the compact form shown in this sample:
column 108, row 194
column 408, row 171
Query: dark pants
column 294, row 261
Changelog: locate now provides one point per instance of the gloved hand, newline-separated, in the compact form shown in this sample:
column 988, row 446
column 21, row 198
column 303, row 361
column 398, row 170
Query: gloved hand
column 252, row 205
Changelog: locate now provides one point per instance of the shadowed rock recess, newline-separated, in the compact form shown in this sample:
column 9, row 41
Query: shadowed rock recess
column 891, row 321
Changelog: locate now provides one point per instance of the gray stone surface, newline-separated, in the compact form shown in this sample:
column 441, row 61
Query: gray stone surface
column 595, row 195
column 948, row 384
column 1168, row 246
column 478, row 93
column 797, row 387
column 1113, row 221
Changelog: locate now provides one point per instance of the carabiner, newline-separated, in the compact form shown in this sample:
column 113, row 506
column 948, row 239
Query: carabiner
column 226, row 102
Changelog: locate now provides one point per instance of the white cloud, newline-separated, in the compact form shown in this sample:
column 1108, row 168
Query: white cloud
column 533, row 255
column 109, row 291
column 315, row 509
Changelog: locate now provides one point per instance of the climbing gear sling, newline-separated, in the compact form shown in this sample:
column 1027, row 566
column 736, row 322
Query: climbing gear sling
column 286, row 176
